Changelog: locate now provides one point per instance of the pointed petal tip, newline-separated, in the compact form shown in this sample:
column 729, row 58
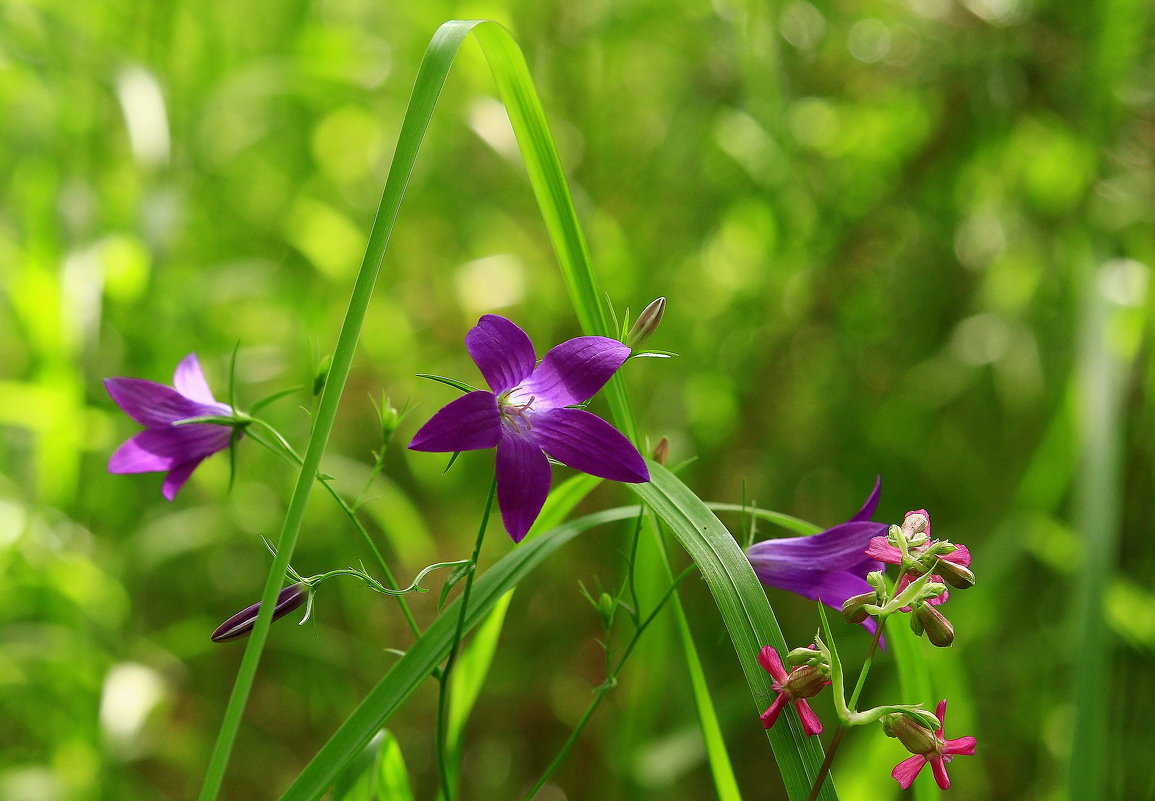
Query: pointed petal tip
column 811, row 725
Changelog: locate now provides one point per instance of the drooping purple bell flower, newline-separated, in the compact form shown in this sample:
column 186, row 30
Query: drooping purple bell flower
column 163, row 446
column 830, row 566
column 527, row 415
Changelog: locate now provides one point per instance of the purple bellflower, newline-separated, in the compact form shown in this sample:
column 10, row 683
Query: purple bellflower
column 527, row 415
column 163, row 446
column 828, row 567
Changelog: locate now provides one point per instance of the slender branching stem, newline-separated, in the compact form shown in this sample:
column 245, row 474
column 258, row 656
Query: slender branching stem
column 840, row 732
column 607, row 685
column 282, row 448
column 447, row 789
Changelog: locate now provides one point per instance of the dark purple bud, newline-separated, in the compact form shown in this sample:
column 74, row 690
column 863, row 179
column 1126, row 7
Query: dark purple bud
column 240, row 624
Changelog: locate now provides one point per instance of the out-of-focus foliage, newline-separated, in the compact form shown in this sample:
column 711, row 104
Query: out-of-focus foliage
column 888, row 232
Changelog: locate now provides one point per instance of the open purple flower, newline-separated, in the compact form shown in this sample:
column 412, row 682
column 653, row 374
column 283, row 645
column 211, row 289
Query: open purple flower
column 828, row 567
column 526, row 416
column 163, row 446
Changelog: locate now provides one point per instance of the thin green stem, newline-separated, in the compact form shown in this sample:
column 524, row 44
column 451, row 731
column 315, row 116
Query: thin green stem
column 866, row 663
column 443, row 678
column 836, row 740
column 286, row 451
column 610, row 682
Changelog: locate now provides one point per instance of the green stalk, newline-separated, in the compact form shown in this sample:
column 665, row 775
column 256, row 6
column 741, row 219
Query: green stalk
column 409, row 141
column 1099, row 377
column 443, row 678
column 606, row 686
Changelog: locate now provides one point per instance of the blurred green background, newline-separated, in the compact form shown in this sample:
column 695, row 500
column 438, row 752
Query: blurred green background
column 907, row 238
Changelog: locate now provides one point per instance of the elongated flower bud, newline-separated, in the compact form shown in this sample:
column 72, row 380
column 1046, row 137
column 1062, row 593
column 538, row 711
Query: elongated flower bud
column 646, row 324
column 954, row 574
column 938, row 629
column 240, row 624
column 917, row 737
column 854, row 609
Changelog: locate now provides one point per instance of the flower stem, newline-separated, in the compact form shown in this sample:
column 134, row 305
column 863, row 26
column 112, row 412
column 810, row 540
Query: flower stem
column 836, row 740
column 443, row 678
column 284, row 449
column 610, row 682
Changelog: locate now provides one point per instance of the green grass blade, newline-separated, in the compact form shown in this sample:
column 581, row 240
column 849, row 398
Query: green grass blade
column 391, row 775
column 468, row 676
column 1100, row 375
column 429, row 650
column 788, row 522
column 378, row 772
column 725, row 782
column 747, row 615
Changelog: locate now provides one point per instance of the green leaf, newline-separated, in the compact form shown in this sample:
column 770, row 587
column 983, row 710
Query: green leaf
column 429, row 650
column 745, row 612
column 392, row 777
column 378, row 773
column 453, row 382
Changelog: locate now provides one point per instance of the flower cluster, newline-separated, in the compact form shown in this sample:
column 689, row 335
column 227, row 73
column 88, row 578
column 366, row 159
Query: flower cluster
column 532, row 414
column 843, row 567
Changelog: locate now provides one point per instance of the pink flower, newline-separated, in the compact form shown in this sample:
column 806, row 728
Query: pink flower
column 917, row 522
column 801, row 683
column 938, row 752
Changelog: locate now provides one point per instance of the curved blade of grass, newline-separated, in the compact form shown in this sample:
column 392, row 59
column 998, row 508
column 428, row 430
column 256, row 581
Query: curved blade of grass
column 429, row 650
column 747, row 615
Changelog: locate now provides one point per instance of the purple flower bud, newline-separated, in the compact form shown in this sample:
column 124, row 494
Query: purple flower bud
column 240, row 624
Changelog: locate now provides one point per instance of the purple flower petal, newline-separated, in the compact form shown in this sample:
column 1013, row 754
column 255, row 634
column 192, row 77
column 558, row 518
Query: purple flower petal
column 832, row 588
column 574, row 370
column 838, row 548
column 189, row 380
column 470, row 423
column 523, row 476
column 155, row 405
column 176, row 478
column 867, row 510
column 165, row 448
column 586, row 442
column 502, row 351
